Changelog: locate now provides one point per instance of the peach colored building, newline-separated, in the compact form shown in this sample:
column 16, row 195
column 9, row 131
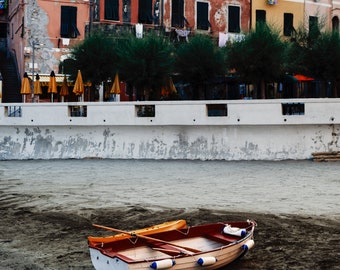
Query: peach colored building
column 292, row 14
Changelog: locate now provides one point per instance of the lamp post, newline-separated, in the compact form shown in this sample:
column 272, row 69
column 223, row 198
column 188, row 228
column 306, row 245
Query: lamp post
column 34, row 44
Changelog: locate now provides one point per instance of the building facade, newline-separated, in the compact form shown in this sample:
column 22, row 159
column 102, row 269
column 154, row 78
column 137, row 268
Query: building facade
column 40, row 33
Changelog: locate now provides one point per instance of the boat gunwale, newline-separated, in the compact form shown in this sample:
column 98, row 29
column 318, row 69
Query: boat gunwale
column 240, row 241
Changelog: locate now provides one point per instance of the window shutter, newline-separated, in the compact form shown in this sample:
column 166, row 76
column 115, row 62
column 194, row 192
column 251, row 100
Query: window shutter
column 202, row 16
column 234, row 19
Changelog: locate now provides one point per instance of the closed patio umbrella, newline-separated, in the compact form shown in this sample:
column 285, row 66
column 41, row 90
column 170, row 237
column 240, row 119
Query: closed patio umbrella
column 52, row 86
column 64, row 89
column 25, row 87
column 115, row 89
column 37, row 87
column 78, row 88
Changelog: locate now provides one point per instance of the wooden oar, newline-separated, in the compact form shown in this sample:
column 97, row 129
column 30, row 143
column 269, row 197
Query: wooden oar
column 148, row 238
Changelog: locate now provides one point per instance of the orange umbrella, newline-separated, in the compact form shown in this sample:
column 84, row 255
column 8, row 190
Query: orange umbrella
column 115, row 87
column 169, row 88
column 25, row 85
column 78, row 88
column 52, row 86
column 37, row 86
column 172, row 87
column 64, row 88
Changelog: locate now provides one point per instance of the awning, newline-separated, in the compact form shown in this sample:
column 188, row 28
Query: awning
column 45, row 79
column 303, row 78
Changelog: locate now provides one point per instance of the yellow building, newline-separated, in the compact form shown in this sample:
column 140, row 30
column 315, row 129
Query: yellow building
column 284, row 15
column 287, row 15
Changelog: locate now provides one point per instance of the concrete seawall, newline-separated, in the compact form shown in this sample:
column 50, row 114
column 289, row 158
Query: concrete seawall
column 207, row 130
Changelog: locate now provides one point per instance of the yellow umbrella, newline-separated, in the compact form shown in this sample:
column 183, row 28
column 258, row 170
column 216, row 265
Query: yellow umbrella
column 37, row 86
column 115, row 87
column 172, row 87
column 78, row 88
column 169, row 88
column 52, row 86
column 25, row 85
column 64, row 88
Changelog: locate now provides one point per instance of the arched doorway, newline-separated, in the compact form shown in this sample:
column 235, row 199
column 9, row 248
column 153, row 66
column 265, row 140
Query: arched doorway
column 335, row 24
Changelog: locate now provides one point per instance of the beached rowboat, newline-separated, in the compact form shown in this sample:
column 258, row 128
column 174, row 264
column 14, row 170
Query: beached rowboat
column 166, row 226
column 210, row 245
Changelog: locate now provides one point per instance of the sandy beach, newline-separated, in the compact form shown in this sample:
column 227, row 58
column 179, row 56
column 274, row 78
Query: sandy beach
column 47, row 211
column 55, row 239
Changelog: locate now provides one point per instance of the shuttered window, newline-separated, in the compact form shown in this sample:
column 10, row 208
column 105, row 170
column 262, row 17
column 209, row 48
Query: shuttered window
column 234, row 19
column 288, row 24
column 202, row 16
column 145, row 11
column 111, row 11
column 68, row 25
column 260, row 16
column 177, row 13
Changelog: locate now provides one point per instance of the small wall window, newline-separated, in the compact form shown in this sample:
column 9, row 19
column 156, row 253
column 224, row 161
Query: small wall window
column 217, row 110
column 13, row 111
column 288, row 24
column 234, row 19
column 145, row 110
column 202, row 16
column 77, row 111
column 293, row 108
column 111, row 10
column 68, row 25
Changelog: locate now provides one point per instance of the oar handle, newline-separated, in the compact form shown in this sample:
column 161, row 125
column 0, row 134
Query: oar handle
column 147, row 238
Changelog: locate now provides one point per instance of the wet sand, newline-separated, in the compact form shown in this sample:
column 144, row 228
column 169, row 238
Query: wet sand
column 57, row 239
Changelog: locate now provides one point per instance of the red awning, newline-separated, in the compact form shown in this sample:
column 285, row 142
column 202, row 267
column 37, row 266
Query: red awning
column 303, row 78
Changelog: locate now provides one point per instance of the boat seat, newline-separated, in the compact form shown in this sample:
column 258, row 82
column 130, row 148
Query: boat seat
column 222, row 238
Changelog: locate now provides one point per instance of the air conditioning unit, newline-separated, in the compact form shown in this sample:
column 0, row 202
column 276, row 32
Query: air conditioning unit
column 272, row 2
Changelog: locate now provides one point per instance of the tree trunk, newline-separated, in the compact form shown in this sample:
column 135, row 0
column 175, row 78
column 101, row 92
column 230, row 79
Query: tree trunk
column 263, row 89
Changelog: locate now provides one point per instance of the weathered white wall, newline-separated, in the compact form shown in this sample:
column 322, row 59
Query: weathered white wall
column 253, row 130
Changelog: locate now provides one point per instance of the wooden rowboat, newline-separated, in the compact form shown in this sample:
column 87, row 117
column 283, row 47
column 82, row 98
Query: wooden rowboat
column 209, row 245
column 166, row 226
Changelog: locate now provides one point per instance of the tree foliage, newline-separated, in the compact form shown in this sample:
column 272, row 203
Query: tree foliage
column 146, row 63
column 199, row 62
column 96, row 57
column 258, row 58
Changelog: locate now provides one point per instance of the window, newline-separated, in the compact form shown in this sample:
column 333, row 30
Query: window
column 335, row 24
column 145, row 11
column 313, row 24
column 288, row 24
column 145, row 110
column 68, row 28
column 126, row 11
column 202, row 16
column 3, row 30
column 234, row 19
column 13, row 111
column 177, row 13
column 293, row 108
column 215, row 110
column 260, row 16
column 77, row 111
column 111, row 10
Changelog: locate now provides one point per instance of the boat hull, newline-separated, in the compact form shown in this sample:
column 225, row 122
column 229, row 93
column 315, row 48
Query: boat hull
column 215, row 250
column 166, row 226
